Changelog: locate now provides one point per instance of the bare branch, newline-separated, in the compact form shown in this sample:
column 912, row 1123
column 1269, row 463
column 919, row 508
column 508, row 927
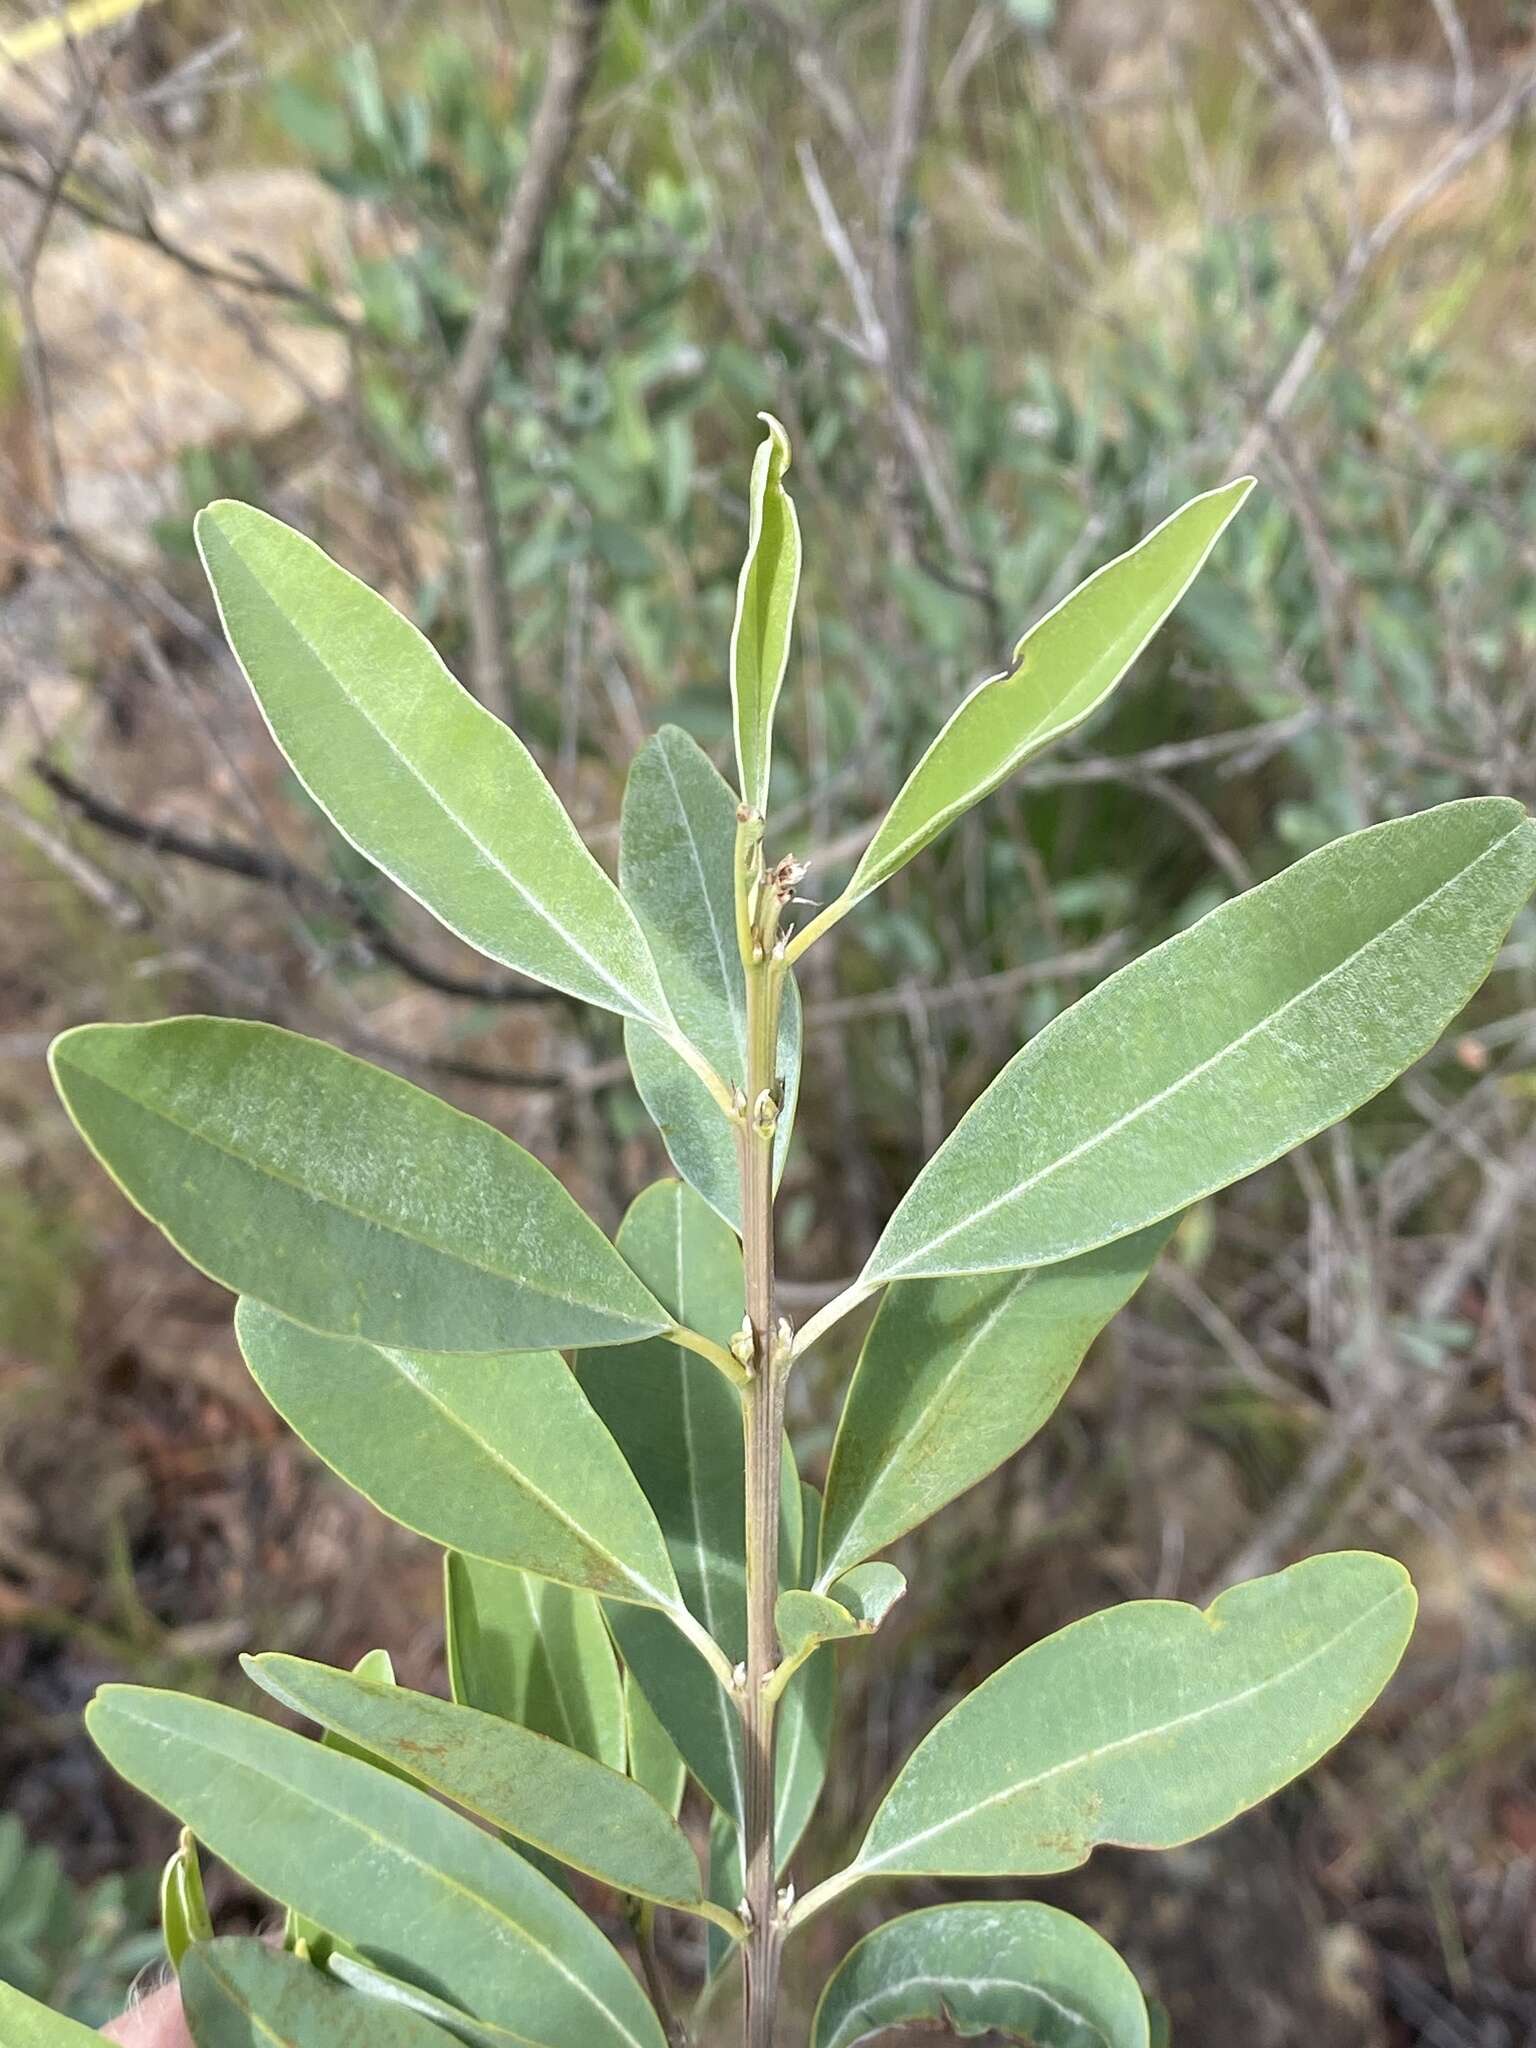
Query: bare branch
column 572, row 62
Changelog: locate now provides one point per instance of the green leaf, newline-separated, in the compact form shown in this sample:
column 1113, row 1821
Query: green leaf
column 954, row 1377
column 1018, row 1969
column 677, row 854
column 500, row 1456
column 553, row 1797
column 1146, row 1726
column 533, row 1652
column 418, row 1890
column 414, row 772
column 183, row 1906
column 1062, row 671
column 652, row 1759
column 678, row 1422
column 341, row 1195
column 242, row 1994
column 1274, row 1016
column 805, row 1714
column 765, row 610
column 855, row 1606
column 26, row 2024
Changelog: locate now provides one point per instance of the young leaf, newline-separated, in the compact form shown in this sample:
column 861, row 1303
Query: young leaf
column 421, row 778
column 1018, row 1969
column 1063, row 670
column 954, row 1377
column 183, row 1906
column 26, row 2024
column 855, row 1606
column 677, row 852
column 1146, row 1726
column 341, row 1195
column 765, row 610
column 382, row 1866
column 238, row 1993
column 1274, row 1016
column 533, row 1652
column 652, row 1759
column 561, row 1802
column 502, row 1454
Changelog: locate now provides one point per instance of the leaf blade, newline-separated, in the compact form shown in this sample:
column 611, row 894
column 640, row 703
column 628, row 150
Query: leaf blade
column 955, row 1376
column 553, row 1797
column 765, row 608
column 1062, row 671
column 1278, row 1013
column 677, row 852
column 421, row 778
column 534, row 1652
column 380, row 1865
column 1016, row 1967
column 502, row 1454
column 1137, row 1725
column 340, row 1195
column 238, row 1992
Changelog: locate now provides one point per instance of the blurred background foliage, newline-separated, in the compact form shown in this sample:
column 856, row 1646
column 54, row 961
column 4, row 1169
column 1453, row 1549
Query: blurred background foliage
column 1019, row 277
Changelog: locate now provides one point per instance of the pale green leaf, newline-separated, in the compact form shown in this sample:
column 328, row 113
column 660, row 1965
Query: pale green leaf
column 500, row 1456
column 1062, row 671
column 412, row 1886
column 544, row 1793
column 765, row 611
column 421, row 778
column 26, row 2024
column 954, row 1377
column 1274, row 1016
column 652, row 1759
column 855, row 1605
column 238, row 1993
column 340, row 1194
column 1146, row 1726
column 533, row 1652
column 677, row 852
column 183, row 1907
column 1018, row 1969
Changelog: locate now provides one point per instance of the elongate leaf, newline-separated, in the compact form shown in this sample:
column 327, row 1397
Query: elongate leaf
column 1212, row 1055
column 184, row 1917
column 536, row 1653
column 26, row 2024
column 420, row 777
column 954, row 1377
column 678, row 1422
column 340, row 1194
column 677, row 852
column 548, row 1795
column 1018, row 1969
column 418, row 1890
column 242, row 1994
column 855, row 1605
column 652, row 1759
column 765, row 611
column 504, row 1454
column 1147, row 1725
column 1062, row 671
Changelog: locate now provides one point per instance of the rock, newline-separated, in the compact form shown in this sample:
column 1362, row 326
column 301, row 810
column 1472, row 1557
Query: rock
column 148, row 360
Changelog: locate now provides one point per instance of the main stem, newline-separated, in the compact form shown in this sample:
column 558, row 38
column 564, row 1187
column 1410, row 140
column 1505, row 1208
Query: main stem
column 763, row 1420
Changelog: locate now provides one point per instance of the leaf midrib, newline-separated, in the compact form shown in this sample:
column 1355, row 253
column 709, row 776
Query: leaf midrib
column 522, row 1481
column 1088, row 1757
column 922, row 1424
column 941, row 1978
column 534, row 902
column 156, row 1108
column 396, row 1847
column 1195, row 1073
column 735, row 996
